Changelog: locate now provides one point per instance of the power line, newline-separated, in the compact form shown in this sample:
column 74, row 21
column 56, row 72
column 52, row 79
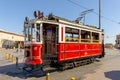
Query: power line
column 76, row 4
column 93, row 11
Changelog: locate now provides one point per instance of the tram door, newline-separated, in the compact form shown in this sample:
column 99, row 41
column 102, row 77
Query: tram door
column 50, row 41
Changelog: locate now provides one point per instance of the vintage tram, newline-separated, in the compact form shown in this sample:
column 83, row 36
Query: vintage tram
column 58, row 42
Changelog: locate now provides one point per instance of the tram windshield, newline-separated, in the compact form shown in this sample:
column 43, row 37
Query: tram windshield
column 32, row 33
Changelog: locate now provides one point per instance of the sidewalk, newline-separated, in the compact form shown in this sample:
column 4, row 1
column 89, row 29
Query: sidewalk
column 110, row 70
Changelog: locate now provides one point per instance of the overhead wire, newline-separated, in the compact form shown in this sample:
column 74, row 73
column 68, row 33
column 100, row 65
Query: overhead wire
column 93, row 11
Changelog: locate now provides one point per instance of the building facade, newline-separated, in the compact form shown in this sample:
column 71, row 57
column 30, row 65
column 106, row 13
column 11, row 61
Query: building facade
column 117, row 41
column 10, row 40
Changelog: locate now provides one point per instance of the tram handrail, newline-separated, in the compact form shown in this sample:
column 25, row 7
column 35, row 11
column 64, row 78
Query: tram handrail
column 82, row 40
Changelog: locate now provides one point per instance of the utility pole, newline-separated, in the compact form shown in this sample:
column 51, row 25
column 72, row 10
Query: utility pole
column 99, row 14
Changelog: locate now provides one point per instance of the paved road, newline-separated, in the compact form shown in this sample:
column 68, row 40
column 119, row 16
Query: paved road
column 110, row 68
column 106, row 69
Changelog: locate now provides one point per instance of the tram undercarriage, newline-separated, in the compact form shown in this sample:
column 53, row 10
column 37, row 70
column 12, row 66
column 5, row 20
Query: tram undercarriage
column 59, row 65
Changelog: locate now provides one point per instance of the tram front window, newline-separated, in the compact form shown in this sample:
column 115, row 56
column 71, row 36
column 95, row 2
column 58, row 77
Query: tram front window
column 32, row 33
column 27, row 33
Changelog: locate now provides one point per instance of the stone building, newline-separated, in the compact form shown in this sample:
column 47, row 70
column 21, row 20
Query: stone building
column 10, row 40
column 117, row 41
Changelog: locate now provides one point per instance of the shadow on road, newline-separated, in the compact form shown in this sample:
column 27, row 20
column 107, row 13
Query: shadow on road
column 113, row 75
column 11, row 70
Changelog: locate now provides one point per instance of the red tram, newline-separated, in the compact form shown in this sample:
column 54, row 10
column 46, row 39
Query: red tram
column 56, row 41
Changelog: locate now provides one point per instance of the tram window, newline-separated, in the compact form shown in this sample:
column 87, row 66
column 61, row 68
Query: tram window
column 75, row 31
column 95, row 37
column 49, row 34
column 71, row 35
column 26, row 33
column 29, row 34
column 38, row 32
column 68, row 37
column 85, row 36
column 68, row 30
column 33, row 32
column 75, row 37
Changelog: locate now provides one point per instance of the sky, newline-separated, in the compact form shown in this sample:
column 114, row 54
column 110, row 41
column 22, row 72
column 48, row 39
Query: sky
column 13, row 13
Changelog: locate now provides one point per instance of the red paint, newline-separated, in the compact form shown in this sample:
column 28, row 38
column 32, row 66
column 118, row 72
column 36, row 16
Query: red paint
column 78, row 50
column 61, row 52
column 66, row 51
column 35, row 55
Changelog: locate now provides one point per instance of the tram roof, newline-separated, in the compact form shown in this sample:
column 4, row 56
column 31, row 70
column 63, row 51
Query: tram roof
column 56, row 19
column 73, row 23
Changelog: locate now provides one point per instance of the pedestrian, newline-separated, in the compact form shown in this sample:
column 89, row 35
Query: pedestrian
column 18, row 48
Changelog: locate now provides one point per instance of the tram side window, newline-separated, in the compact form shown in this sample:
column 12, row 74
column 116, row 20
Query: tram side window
column 71, row 35
column 85, row 36
column 95, row 37
column 68, row 37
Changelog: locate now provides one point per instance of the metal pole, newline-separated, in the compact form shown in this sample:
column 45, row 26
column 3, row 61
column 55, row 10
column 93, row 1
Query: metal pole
column 16, row 61
column 99, row 14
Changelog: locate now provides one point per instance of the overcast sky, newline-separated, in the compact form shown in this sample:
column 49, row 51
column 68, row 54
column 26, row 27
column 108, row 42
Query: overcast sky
column 13, row 12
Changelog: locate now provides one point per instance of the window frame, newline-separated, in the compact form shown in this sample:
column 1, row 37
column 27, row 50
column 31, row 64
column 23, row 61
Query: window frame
column 95, row 39
column 71, row 32
column 85, row 39
column 80, row 39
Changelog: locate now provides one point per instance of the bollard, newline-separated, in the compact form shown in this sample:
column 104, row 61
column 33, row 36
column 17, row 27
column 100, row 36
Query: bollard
column 12, row 58
column 48, row 76
column 6, row 56
column 16, row 61
column 73, row 78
